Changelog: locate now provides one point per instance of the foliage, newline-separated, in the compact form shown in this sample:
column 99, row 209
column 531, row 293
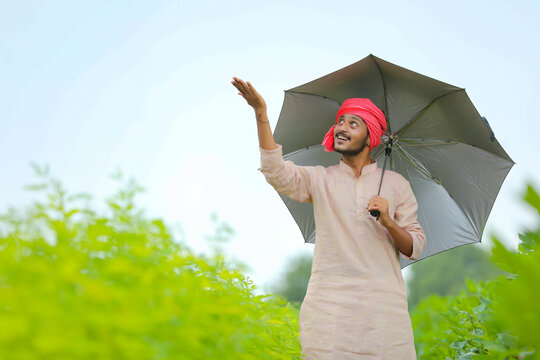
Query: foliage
column 445, row 273
column 295, row 279
column 78, row 285
column 458, row 327
column 498, row 319
column 518, row 298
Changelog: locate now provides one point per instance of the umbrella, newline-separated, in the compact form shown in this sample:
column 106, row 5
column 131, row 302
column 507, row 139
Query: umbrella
column 439, row 142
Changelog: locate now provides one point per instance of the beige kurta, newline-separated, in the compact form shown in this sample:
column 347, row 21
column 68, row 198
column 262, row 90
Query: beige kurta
column 356, row 302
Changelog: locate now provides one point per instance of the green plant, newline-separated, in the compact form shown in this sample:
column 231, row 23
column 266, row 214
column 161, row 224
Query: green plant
column 445, row 273
column 518, row 298
column 496, row 319
column 75, row 284
column 459, row 327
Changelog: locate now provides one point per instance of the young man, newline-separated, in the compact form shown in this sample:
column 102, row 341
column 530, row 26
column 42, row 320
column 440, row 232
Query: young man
column 356, row 302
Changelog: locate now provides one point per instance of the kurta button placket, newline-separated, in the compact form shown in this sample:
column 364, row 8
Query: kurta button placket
column 359, row 205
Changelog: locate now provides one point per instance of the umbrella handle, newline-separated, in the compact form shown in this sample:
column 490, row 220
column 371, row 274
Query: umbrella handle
column 387, row 152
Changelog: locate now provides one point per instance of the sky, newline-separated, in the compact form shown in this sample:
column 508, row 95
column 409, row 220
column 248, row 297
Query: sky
column 144, row 87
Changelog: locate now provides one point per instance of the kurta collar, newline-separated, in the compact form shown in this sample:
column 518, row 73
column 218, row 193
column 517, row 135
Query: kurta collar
column 365, row 170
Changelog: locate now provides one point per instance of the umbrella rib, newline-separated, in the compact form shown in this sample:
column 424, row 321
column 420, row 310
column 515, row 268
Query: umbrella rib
column 434, row 142
column 385, row 95
column 405, row 155
column 420, row 142
column 312, row 94
column 411, row 122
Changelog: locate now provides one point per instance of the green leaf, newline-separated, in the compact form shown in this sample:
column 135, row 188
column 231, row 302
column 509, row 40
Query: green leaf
column 479, row 309
column 532, row 198
column 471, row 286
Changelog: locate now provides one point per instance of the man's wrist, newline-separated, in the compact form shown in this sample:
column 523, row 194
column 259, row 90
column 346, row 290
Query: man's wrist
column 260, row 111
column 387, row 222
column 261, row 116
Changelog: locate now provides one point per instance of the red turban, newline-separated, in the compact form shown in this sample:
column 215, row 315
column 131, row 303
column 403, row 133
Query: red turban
column 369, row 112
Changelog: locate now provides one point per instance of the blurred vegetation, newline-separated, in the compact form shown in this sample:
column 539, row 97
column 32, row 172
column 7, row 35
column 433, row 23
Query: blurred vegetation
column 518, row 298
column 294, row 280
column 498, row 319
column 75, row 284
column 445, row 273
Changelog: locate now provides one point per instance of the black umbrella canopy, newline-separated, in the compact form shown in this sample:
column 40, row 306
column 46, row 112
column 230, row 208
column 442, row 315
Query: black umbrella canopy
column 441, row 145
column 410, row 101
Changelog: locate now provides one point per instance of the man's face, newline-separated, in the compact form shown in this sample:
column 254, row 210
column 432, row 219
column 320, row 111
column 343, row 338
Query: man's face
column 350, row 135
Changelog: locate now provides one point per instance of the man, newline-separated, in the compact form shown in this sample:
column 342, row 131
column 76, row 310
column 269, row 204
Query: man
column 356, row 303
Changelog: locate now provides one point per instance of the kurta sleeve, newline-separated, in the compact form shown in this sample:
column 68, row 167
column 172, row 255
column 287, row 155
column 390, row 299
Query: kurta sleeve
column 405, row 217
column 287, row 178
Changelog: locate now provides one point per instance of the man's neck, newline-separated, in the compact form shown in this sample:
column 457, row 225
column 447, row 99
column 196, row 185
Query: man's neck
column 357, row 162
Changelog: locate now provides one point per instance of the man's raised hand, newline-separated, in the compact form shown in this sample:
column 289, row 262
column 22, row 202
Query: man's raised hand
column 256, row 101
column 248, row 92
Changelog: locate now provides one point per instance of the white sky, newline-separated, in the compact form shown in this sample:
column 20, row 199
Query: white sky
column 88, row 87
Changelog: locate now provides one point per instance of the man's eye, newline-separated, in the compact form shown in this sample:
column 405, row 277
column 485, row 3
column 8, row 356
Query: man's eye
column 354, row 125
column 340, row 121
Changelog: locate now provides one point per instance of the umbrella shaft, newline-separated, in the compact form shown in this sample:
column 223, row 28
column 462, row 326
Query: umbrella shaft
column 386, row 156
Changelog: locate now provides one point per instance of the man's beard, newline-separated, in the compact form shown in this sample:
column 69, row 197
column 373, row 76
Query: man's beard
column 353, row 152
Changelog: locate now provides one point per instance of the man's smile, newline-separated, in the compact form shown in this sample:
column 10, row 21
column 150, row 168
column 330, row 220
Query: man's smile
column 342, row 136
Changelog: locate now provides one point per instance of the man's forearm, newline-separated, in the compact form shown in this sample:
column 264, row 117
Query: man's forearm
column 266, row 139
column 402, row 238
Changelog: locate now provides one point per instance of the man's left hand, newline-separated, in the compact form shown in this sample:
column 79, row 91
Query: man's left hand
column 380, row 204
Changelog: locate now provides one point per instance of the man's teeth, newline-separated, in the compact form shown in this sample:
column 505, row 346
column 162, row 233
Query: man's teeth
column 341, row 137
